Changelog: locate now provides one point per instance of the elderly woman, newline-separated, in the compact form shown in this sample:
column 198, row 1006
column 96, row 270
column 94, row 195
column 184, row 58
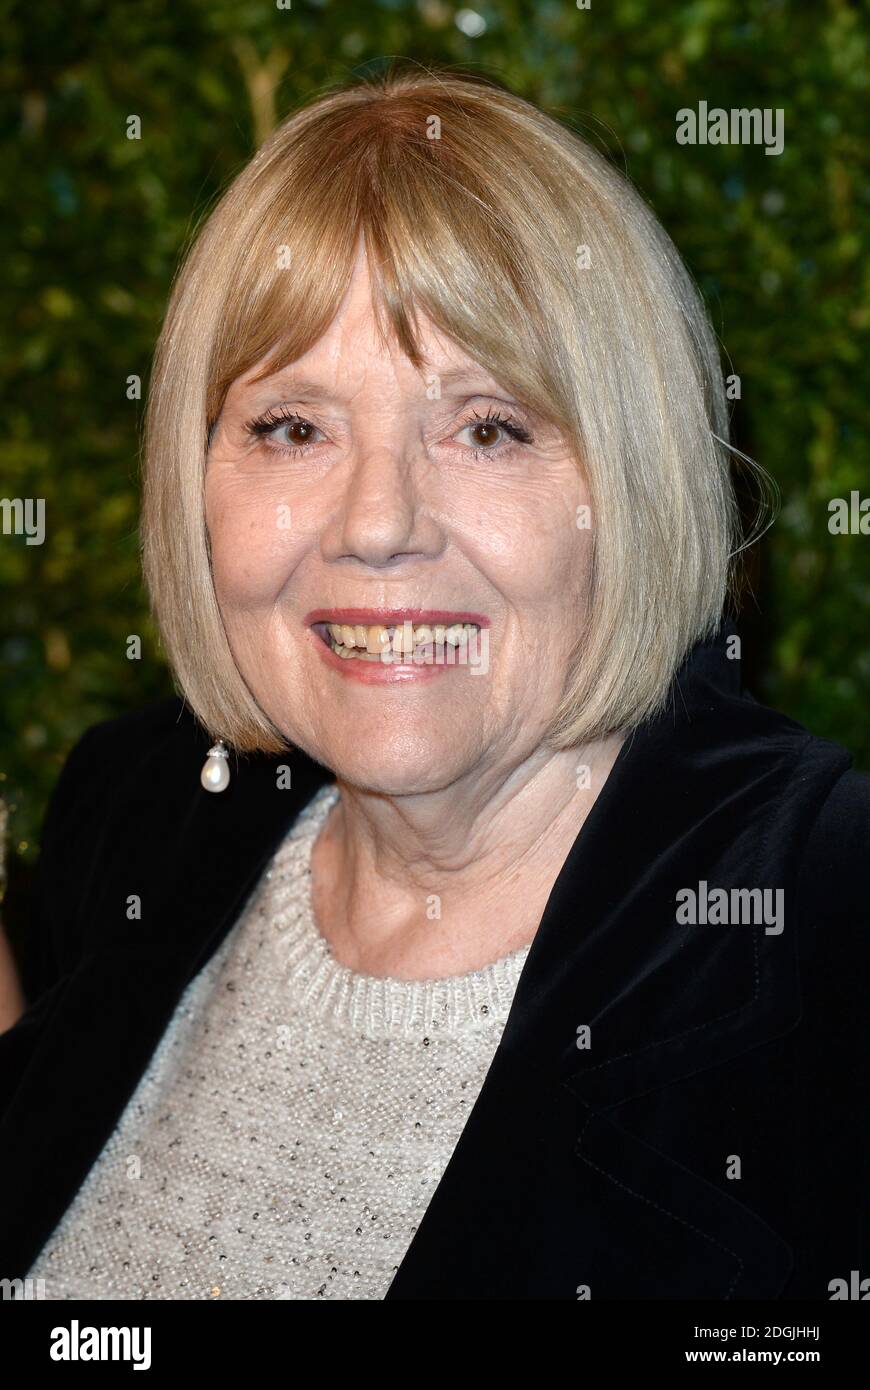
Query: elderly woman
column 462, row 930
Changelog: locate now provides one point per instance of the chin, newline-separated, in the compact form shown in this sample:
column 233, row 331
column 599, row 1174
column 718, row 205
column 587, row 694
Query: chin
column 419, row 766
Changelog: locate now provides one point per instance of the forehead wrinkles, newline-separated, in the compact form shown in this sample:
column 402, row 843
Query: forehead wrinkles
column 349, row 378
column 353, row 348
column 354, row 352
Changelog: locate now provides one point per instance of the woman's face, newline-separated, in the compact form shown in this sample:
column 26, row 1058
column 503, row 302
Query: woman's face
column 384, row 501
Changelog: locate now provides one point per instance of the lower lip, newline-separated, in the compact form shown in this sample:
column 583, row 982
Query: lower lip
column 380, row 672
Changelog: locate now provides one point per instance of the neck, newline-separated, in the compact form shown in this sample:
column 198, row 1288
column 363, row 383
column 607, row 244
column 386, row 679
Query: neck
column 421, row 886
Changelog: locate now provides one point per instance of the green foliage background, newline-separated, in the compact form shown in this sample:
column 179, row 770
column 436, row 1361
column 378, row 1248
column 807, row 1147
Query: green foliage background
column 95, row 223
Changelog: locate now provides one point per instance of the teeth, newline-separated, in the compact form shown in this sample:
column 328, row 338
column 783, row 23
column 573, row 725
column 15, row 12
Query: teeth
column 377, row 639
column 368, row 643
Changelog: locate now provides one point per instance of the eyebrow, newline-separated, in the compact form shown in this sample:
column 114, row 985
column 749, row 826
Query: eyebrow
column 299, row 386
column 465, row 376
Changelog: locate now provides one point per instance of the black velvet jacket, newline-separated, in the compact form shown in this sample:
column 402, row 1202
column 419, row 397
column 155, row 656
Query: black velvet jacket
column 608, row 1170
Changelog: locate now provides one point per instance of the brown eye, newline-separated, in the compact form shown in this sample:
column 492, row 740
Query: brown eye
column 486, row 433
column 495, row 434
column 290, row 433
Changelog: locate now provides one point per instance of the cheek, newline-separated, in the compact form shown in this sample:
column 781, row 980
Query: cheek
column 530, row 547
column 252, row 547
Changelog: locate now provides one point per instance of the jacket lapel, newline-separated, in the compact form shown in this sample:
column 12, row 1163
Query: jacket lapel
column 549, row 1193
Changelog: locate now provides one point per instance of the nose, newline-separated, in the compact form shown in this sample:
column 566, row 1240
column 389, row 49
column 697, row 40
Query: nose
column 381, row 518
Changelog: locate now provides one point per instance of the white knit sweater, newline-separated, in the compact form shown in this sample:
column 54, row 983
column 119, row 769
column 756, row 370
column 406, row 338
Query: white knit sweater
column 294, row 1120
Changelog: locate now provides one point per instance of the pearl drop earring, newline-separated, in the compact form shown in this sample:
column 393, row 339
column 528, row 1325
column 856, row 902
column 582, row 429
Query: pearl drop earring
column 215, row 775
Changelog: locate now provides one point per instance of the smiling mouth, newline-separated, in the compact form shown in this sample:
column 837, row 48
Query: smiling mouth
column 394, row 643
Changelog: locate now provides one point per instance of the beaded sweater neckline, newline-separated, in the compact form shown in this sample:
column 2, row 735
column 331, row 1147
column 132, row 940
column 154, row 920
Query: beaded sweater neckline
column 368, row 1005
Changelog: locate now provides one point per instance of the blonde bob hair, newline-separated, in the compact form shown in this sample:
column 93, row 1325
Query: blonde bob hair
column 521, row 242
